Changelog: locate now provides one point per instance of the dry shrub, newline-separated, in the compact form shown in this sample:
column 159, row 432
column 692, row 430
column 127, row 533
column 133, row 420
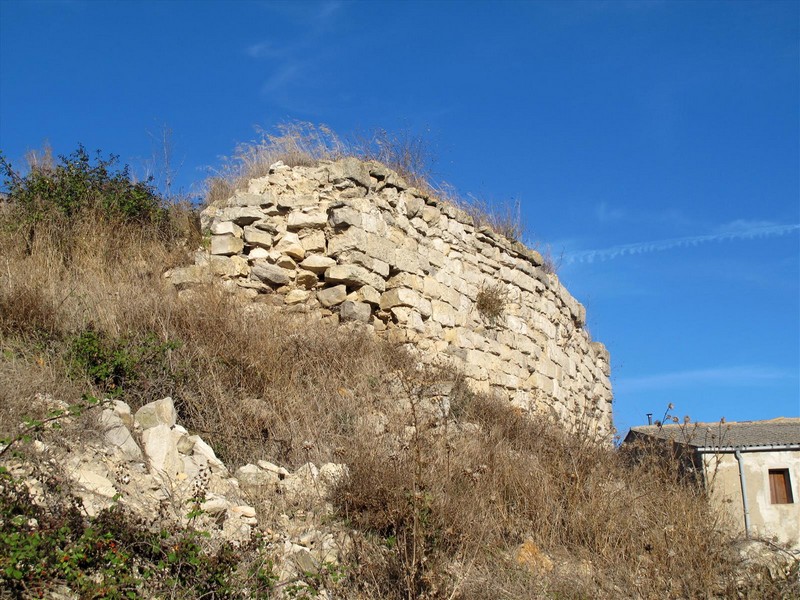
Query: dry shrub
column 504, row 218
column 491, row 302
column 296, row 143
column 443, row 514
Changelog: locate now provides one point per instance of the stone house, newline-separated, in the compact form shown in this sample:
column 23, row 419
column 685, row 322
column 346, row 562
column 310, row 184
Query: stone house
column 750, row 468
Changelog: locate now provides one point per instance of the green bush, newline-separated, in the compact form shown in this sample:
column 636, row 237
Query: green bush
column 115, row 364
column 79, row 184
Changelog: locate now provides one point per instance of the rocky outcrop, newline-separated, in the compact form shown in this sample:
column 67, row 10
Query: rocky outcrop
column 162, row 475
column 350, row 240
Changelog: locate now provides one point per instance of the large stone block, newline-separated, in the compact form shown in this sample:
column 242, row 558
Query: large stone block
column 332, row 296
column 257, row 237
column 355, row 311
column 307, row 220
column 355, row 276
column 226, row 245
column 271, row 274
column 317, row 263
column 400, row 297
column 158, row 412
column 290, row 245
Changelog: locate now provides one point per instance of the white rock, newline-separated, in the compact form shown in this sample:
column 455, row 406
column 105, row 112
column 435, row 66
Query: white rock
column 162, row 454
column 226, row 245
column 317, row 263
column 156, row 413
column 117, row 434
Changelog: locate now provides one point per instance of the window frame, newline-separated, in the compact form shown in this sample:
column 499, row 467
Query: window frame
column 780, row 486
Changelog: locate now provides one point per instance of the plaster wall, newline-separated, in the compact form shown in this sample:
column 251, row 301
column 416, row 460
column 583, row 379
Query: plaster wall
column 780, row 522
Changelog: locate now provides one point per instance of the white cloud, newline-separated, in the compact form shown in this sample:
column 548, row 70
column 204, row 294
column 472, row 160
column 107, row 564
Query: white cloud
column 736, row 230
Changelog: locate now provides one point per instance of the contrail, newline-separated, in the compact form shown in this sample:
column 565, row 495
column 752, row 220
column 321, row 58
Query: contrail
column 764, row 231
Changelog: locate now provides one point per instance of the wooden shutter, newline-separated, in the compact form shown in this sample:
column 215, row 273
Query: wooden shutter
column 779, row 489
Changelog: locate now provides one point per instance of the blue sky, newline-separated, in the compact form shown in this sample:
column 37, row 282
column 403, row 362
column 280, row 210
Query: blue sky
column 652, row 145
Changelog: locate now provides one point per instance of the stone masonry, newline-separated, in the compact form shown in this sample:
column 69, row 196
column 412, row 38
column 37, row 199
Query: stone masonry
column 351, row 240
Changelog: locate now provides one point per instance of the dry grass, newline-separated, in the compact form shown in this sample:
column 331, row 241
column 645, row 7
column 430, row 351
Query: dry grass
column 491, row 302
column 300, row 143
column 444, row 513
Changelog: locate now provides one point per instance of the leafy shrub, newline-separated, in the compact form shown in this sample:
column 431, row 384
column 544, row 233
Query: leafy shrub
column 109, row 556
column 77, row 184
column 114, row 364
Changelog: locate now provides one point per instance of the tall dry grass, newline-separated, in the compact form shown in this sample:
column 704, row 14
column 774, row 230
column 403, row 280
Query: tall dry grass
column 298, row 143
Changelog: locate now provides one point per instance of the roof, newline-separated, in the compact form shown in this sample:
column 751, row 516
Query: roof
column 782, row 431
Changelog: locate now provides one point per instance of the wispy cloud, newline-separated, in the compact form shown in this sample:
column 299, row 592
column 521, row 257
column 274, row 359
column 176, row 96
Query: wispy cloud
column 295, row 64
column 607, row 214
column 744, row 375
column 736, row 230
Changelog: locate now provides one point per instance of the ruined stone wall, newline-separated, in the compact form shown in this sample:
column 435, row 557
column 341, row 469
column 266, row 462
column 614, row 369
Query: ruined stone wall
column 351, row 240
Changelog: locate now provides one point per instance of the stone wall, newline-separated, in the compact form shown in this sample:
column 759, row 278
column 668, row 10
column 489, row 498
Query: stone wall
column 351, row 240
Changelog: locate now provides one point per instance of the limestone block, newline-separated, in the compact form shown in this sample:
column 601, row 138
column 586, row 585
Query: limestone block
column 258, row 185
column 270, row 274
column 95, row 483
column 158, row 412
column 250, row 199
column 257, row 237
column 295, row 200
column 226, row 227
column 354, row 275
column 431, row 215
column 373, row 222
column 290, row 245
column 443, row 313
column 355, row 311
column 332, row 296
column 161, row 451
column 252, row 476
column 317, row 263
column 409, row 280
column 306, row 279
column 351, row 239
column 313, row 241
column 226, row 245
column 297, row 296
column 345, row 216
column 242, row 216
column 414, row 206
column 350, row 168
column 424, row 308
column 117, row 434
column 379, row 247
column 229, row 266
column 201, row 448
column 307, row 220
column 285, row 262
column 399, row 297
column 366, row 293
column 409, row 318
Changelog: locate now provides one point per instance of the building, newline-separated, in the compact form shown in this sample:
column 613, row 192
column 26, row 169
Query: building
column 750, row 468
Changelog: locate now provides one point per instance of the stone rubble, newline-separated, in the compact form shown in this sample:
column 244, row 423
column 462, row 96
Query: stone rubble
column 350, row 240
column 155, row 469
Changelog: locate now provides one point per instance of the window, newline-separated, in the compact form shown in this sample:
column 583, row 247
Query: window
column 779, row 489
